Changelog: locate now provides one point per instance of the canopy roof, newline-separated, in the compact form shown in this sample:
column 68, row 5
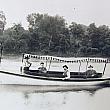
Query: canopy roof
column 71, row 60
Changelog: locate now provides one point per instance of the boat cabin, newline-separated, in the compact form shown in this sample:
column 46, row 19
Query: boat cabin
column 59, row 74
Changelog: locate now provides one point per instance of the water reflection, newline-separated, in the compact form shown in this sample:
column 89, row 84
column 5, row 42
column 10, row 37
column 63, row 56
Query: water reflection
column 16, row 97
column 27, row 89
column 26, row 96
column 63, row 100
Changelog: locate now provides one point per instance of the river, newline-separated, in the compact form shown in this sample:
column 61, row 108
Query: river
column 17, row 97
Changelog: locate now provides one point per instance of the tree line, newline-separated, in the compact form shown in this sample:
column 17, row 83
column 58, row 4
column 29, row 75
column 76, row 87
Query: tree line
column 51, row 35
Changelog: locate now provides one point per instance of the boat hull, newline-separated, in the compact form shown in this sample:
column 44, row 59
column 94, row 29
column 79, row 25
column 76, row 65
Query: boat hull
column 22, row 79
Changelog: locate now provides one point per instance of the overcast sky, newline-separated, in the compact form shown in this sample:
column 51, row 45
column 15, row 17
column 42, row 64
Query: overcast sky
column 80, row 11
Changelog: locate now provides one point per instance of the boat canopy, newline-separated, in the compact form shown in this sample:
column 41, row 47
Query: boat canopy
column 62, row 59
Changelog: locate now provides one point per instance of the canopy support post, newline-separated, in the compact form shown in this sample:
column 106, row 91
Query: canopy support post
column 49, row 65
column 46, row 63
column 87, row 64
column 1, row 51
column 22, row 57
column 104, row 68
column 79, row 66
column 21, row 68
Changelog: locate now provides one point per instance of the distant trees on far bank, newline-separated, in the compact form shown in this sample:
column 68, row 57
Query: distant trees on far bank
column 53, row 36
column 2, row 22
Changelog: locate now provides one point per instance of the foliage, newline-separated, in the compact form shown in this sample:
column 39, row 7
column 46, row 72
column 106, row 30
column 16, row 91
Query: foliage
column 2, row 22
column 51, row 35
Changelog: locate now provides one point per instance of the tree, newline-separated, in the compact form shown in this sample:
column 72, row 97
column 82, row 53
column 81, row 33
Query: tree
column 16, row 39
column 64, row 45
column 46, row 29
column 77, row 33
column 2, row 22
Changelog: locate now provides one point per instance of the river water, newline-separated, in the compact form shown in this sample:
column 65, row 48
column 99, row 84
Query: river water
column 17, row 97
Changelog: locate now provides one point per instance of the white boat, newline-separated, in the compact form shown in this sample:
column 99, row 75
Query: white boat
column 54, row 78
column 24, row 79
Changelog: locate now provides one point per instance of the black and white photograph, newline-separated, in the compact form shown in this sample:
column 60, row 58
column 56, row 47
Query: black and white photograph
column 54, row 55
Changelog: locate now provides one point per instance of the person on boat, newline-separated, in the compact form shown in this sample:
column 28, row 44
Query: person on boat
column 90, row 72
column 42, row 69
column 66, row 72
column 27, row 64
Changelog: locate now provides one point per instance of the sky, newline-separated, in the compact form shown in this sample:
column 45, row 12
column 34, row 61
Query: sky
column 79, row 11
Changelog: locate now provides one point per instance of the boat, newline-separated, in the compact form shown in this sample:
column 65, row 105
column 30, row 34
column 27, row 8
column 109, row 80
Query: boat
column 55, row 78
column 41, row 80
